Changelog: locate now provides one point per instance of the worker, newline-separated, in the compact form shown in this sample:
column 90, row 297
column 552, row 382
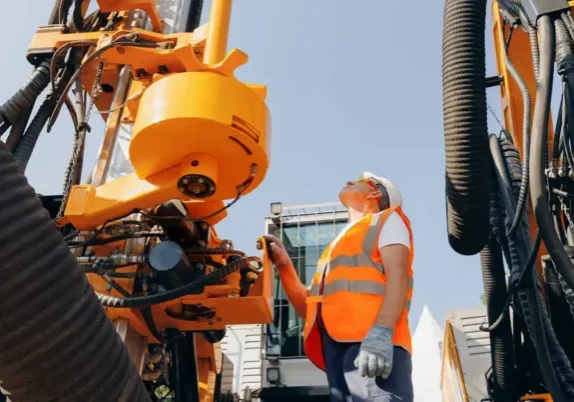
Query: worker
column 356, row 309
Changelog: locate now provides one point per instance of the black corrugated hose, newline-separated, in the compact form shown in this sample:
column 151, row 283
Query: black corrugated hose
column 560, row 310
column 501, row 345
column 27, row 143
column 26, row 146
column 56, row 341
column 26, row 96
column 17, row 110
column 465, row 125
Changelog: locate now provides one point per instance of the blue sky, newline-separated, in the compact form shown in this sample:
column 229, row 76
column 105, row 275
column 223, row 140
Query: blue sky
column 350, row 88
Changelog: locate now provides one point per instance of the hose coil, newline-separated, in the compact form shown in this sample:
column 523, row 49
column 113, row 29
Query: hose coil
column 465, row 125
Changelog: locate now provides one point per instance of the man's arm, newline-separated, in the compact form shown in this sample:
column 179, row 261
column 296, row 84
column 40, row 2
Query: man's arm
column 296, row 292
column 294, row 289
column 395, row 261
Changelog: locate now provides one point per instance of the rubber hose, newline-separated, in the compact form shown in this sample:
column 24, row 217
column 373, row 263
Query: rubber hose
column 501, row 347
column 518, row 245
column 538, row 194
column 140, row 301
column 465, row 125
column 55, row 15
column 57, row 343
column 26, row 146
column 26, row 96
column 194, row 15
column 77, row 16
column 17, row 129
column 532, row 305
column 560, row 311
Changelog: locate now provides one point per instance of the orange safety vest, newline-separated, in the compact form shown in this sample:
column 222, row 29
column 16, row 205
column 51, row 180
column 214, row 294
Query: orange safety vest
column 351, row 293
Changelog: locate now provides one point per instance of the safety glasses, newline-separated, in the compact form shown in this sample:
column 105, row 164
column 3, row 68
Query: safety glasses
column 370, row 183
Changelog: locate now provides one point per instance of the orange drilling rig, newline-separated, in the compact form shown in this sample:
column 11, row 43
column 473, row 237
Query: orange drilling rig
column 120, row 288
column 510, row 195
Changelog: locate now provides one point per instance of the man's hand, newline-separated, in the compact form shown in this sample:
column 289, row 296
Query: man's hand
column 278, row 254
column 296, row 292
column 376, row 353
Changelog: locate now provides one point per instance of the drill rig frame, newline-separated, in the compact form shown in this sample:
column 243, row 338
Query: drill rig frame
column 142, row 229
column 509, row 196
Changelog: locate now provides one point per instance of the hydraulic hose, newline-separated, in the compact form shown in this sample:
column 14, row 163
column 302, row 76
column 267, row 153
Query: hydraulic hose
column 198, row 285
column 78, row 16
column 465, row 125
column 17, row 130
column 49, row 308
column 519, row 246
column 24, row 150
column 55, row 15
column 526, row 284
column 501, row 347
column 194, row 15
column 26, row 96
column 560, row 311
column 25, row 147
column 537, row 156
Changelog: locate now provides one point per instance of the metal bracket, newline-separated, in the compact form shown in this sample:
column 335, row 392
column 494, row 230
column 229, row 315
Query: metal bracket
column 494, row 81
column 537, row 8
column 192, row 312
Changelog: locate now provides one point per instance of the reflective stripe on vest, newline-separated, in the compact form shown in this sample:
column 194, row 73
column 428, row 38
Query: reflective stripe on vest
column 357, row 260
column 353, row 286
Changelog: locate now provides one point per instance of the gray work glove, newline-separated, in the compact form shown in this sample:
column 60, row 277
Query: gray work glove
column 376, row 353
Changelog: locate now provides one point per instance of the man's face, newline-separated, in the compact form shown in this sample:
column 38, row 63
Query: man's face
column 356, row 193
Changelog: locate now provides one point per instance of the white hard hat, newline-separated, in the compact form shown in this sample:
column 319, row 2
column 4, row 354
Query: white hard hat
column 395, row 197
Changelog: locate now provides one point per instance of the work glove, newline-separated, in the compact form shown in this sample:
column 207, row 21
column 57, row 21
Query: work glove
column 278, row 254
column 376, row 353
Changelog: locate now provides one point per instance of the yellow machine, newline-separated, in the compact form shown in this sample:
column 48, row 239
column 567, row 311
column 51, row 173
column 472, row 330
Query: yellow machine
column 142, row 234
column 509, row 196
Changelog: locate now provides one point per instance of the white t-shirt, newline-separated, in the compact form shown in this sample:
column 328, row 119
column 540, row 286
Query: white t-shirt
column 394, row 231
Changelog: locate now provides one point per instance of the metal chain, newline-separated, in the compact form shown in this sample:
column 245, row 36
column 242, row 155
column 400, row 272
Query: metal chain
column 79, row 144
column 566, row 213
column 495, row 116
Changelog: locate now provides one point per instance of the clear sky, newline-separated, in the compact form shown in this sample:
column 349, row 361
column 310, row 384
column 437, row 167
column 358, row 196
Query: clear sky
column 350, row 88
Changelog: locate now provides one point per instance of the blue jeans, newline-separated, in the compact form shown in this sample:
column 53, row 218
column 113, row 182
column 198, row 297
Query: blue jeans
column 347, row 385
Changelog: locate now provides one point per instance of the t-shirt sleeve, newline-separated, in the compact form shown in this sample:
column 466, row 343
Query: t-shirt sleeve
column 394, row 231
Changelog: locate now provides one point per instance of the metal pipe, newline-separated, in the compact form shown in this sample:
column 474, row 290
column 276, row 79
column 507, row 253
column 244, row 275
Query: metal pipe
column 113, row 123
column 216, row 43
